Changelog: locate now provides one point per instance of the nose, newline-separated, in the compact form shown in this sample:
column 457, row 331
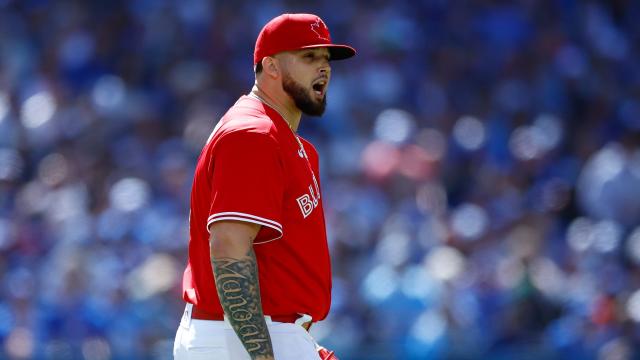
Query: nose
column 325, row 69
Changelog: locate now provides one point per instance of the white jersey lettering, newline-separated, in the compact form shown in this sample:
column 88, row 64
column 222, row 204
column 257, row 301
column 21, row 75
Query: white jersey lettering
column 308, row 202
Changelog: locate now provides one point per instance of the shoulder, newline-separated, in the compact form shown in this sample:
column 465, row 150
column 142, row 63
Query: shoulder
column 240, row 119
column 241, row 144
column 245, row 121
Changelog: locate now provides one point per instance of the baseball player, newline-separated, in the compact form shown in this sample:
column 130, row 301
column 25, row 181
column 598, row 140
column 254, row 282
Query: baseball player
column 258, row 274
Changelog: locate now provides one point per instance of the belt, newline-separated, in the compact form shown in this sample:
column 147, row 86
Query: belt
column 199, row 314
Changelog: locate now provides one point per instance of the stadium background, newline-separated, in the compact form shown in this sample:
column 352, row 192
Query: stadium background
column 481, row 173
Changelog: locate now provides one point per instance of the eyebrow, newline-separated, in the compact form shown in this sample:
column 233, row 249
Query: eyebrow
column 326, row 55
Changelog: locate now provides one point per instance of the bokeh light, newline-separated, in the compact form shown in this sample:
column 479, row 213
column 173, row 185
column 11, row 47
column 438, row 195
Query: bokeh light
column 416, row 283
column 129, row 194
column 532, row 142
column 617, row 348
column 20, row 343
column 429, row 327
column 156, row 275
column 445, row 263
column 38, row 109
column 547, row 277
column 394, row 126
column 469, row 132
column 524, row 241
column 607, row 164
column 393, row 248
column 579, row 234
column 633, row 306
column 469, row 221
column 608, row 186
column 69, row 203
column 380, row 159
column 379, row 284
column 53, row 169
column 633, row 245
column 108, row 93
column 607, row 236
column 550, row 126
column 527, row 143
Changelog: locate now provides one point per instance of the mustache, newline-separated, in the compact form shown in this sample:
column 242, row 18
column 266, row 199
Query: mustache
column 321, row 77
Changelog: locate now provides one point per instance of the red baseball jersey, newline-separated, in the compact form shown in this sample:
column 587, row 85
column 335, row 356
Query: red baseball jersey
column 254, row 169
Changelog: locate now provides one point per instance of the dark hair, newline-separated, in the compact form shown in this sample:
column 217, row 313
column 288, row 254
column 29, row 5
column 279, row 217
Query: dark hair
column 258, row 68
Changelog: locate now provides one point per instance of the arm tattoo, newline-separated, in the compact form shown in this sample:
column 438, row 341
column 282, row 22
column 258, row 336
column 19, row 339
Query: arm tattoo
column 239, row 293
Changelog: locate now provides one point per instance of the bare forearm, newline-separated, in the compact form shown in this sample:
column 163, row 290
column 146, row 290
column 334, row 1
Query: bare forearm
column 239, row 293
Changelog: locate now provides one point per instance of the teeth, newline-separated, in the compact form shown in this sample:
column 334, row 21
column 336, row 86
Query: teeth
column 321, row 84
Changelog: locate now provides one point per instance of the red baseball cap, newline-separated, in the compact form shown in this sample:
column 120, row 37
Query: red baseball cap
column 294, row 32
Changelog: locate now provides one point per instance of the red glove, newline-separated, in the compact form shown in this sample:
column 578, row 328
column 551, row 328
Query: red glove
column 326, row 354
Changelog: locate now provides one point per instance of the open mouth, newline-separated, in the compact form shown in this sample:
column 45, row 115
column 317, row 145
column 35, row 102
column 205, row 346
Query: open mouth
column 319, row 87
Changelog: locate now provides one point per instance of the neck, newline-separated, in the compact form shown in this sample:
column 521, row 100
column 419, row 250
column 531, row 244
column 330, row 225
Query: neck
column 283, row 105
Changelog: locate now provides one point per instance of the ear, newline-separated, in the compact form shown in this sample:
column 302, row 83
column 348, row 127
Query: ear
column 271, row 66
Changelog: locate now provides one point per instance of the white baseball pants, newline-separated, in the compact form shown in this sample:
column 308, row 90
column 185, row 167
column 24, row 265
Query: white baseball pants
column 207, row 339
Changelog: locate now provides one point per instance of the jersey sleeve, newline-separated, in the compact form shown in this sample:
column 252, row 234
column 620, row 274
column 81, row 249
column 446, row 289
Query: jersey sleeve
column 247, row 183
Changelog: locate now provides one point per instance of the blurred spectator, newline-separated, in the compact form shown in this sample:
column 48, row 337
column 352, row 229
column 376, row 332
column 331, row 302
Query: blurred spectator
column 481, row 173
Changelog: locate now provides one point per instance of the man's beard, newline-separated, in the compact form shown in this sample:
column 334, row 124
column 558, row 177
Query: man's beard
column 301, row 97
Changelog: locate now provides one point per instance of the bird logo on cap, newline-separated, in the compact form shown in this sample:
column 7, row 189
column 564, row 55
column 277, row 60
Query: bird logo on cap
column 316, row 26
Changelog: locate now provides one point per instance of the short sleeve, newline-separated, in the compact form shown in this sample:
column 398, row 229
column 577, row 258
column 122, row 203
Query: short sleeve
column 247, row 183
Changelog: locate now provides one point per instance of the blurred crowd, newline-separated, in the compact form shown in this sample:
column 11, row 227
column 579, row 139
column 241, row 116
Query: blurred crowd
column 480, row 164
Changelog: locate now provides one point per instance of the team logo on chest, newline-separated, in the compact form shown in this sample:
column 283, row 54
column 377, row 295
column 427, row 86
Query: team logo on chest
column 308, row 202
